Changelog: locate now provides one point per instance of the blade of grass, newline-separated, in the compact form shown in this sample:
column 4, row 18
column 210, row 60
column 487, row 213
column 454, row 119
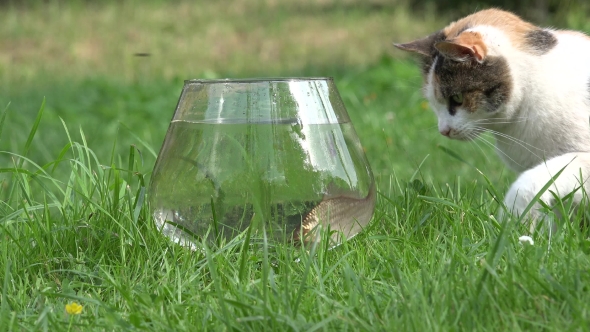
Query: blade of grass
column 138, row 204
column 418, row 169
column 454, row 155
column 244, row 254
column 146, row 145
column 5, row 306
column 2, row 119
column 216, row 281
column 304, row 278
column 33, row 132
column 131, row 163
column 540, row 193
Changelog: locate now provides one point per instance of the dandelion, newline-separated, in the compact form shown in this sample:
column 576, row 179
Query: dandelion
column 526, row 239
column 74, row 308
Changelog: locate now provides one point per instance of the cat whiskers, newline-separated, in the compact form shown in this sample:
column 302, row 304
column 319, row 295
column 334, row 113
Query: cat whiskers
column 491, row 144
column 499, row 135
column 481, row 122
column 525, row 145
column 493, row 121
column 473, row 139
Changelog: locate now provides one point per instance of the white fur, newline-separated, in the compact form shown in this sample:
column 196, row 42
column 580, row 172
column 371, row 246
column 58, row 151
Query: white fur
column 545, row 124
column 573, row 179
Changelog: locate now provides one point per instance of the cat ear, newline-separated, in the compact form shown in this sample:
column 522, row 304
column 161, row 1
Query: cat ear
column 463, row 48
column 422, row 46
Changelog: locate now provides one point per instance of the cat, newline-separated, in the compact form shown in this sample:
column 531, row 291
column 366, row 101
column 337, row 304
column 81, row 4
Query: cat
column 529, row 86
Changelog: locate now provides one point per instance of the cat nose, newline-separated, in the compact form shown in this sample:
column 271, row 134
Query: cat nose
column 445, row 131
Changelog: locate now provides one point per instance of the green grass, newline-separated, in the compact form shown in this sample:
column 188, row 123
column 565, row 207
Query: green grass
column 75, row 223
column 433, row 259
column 383, row 100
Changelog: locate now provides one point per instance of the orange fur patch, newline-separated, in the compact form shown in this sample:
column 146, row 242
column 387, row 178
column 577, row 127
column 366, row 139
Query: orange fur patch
column 474, row 41
column 514, row 27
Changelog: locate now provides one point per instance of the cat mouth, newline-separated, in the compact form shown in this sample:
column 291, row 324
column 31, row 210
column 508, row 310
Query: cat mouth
column 461, row 136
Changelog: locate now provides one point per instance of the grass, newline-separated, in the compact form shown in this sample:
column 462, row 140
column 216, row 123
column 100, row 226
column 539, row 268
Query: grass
column 184, row 39
column 76, row 226
column 383, row 100
column 432, row 259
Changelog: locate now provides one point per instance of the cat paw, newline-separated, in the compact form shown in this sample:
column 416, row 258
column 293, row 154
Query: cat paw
column 525, row 190
column 517, row 200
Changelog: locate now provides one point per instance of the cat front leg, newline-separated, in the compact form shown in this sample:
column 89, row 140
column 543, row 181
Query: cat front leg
column 573, row 180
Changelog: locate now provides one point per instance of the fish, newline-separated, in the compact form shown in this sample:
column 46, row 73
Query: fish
column 344, row 215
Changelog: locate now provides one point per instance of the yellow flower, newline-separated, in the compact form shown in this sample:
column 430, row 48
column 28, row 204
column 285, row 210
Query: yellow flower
column 424, row 105
column 74, row 308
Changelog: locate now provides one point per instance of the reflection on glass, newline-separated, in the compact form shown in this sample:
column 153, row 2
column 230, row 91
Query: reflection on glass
column 278, row 154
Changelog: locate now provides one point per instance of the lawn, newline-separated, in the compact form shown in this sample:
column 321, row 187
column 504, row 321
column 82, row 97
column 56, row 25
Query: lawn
column 89, row 90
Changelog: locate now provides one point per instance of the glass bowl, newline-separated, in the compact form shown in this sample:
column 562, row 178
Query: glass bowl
column 276, row 155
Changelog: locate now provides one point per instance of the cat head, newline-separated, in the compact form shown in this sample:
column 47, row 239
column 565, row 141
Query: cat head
column 467, row 77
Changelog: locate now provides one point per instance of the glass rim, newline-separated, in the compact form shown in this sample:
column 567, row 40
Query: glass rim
column 259, row 79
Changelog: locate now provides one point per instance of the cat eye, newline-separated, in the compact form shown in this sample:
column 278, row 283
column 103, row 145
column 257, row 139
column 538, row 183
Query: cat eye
column 457, row 99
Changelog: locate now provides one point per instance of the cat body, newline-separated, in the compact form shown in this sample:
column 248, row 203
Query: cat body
column 528, row 86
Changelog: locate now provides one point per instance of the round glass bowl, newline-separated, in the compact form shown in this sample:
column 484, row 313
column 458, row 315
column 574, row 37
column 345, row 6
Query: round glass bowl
column 276, row 155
